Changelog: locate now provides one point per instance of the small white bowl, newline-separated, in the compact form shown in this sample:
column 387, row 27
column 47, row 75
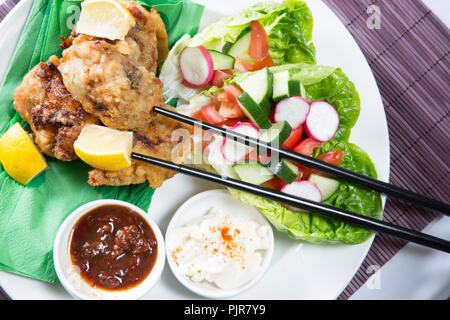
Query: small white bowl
column 193, row 209
column 69, row 276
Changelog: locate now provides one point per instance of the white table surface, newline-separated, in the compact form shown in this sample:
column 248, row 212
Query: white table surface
column 415, row 272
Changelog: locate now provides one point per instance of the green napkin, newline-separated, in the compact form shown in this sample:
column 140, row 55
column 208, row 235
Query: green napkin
column 30, row 216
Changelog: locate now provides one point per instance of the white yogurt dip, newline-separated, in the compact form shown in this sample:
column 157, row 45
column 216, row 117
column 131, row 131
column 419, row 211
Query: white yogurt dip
column 223, row 249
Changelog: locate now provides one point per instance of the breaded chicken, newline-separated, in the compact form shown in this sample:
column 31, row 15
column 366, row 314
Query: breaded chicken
column 116, row 81
column 54, row 116
column 106, row 82
column 148, row 23
column 163, row 139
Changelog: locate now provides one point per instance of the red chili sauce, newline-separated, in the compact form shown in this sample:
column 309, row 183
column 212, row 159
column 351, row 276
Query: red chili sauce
column 114, row 247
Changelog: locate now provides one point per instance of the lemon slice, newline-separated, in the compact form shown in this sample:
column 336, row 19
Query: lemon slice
column 19, row 156
column 104, row 148
column 104, row 19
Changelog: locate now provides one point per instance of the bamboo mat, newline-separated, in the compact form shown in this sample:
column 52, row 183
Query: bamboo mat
column 408, row 55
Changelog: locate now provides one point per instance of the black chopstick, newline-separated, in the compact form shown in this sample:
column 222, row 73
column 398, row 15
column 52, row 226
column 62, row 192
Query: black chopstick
column 346, row 216
column 314, row 163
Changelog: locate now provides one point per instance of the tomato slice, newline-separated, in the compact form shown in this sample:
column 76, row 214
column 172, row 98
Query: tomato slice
column 259, row 43
column 293, row 138
column 261, row 64
column 307, row 146
column 207, row 138
column 301, row 173
column 233, row 91
column 251, row 156
column 333, row 157
column 228, row 122
column 230, row 110
column 211, row 115
column 218, row 77
column 275, row 184
column 224, row 97
column 241, row 65
column 198, row 115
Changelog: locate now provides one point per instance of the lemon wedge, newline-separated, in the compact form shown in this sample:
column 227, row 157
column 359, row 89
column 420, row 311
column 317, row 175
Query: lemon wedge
column 19, row 156
column 104, row 148
column 105, row 19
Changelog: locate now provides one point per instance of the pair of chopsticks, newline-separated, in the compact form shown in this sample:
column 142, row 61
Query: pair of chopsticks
column 327, row 210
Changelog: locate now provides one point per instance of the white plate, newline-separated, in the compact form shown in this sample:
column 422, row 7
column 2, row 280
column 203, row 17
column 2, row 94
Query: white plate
column 299, row 270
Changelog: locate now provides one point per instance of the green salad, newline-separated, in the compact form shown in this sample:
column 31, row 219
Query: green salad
column 256, row 73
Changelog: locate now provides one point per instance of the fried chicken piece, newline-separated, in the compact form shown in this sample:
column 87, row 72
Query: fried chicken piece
column 161, row 35
column 148, row 23
column 163, row 139
column 116, row 80
column 54, row 116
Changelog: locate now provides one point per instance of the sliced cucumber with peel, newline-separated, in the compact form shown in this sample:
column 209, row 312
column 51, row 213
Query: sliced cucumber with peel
column 240, row 49
column 284, row 86
column 327, row 186
column 259, row 85
column 253, row 172
column 295, row 88
column 226, row 47
column 280, row 85
column 221, row 61
column 277, row 133
column 253, row 111
column 285, row 170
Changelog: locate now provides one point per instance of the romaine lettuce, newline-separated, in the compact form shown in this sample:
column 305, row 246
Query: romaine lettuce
column 288, row 26
column 316, row 228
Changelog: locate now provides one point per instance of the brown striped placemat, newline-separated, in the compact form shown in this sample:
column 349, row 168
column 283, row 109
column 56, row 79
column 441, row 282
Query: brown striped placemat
column 408, row 55
column 6, row 6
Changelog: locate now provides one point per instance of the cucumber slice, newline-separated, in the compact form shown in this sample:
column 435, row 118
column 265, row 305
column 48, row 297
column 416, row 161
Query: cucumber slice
column 259, row 86
column 253, row 172
column 285, row 170
column 295, row 88
column 285, row 87
column 326, row 185
column 221, row 60
column 277, row 133
column 280, row 85
column 253, row 111
column 240, row 49
column 226, row 47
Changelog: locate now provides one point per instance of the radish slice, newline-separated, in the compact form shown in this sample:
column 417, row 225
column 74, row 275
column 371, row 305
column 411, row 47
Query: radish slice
column 322, row 121
column 294, row 110
column 302, row 189
column 196, row 66
column 233, row 151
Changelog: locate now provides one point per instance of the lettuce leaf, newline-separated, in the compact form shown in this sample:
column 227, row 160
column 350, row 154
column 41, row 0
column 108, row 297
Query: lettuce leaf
column 290, row 34
column 315, row 228
column 288, row 26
